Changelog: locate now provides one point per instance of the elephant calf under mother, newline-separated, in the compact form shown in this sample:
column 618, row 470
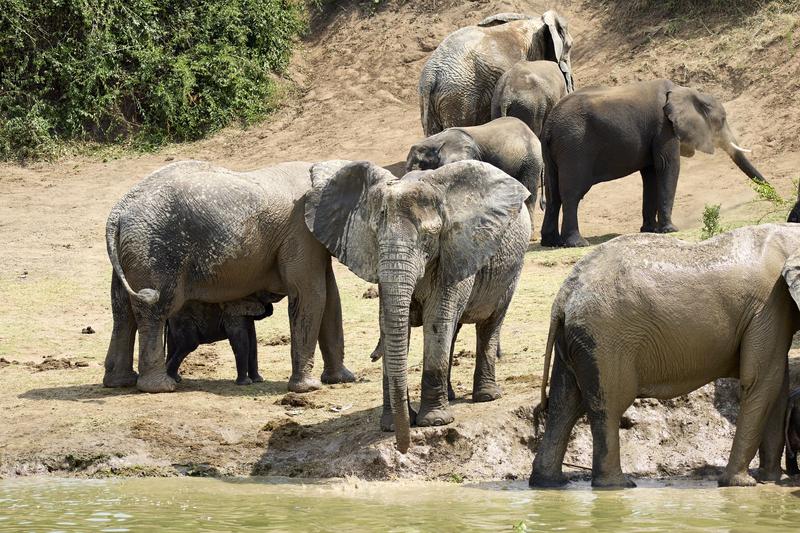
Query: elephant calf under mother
column 650, row 316
column 192, row 231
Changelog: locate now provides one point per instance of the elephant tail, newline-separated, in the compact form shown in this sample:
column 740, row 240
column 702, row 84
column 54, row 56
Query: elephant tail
column 147, row 296
column 555, row 330
column 430, row 122
column 549, row 174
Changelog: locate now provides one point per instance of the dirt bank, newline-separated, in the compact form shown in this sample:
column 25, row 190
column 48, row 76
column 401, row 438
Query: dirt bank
column 356, row 98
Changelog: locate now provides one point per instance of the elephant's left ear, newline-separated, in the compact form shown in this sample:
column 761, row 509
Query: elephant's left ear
column 479, row 202
column 791, row 273
column 688, row 111
column 502, row 18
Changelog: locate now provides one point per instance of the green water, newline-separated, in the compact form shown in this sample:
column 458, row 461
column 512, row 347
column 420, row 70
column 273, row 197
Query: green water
column 191, row 504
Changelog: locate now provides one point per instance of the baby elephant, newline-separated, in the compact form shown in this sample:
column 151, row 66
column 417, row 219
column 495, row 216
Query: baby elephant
column 528, row 91
column 793, row 433
column 506, row 143
column 203, row 323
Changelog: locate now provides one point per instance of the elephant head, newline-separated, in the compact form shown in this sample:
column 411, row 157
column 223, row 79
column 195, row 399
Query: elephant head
column 447, row 223
column 700, row 123
column 441, row 149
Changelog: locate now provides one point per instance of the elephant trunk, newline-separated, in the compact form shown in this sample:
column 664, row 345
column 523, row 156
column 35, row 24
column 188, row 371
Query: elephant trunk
column 397, row 274
column 736, row 153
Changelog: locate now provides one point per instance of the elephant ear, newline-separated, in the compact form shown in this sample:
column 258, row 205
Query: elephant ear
column 338, row 216
column 688, row 111
column 791, row 274
column 479, row 201
column 557, row 28
column 502, row 18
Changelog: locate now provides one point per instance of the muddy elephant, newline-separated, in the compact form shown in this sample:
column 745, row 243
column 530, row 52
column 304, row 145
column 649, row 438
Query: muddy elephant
column 528, row 91
column 603, row 133
column 792, row 433
column 445, row 246
column 506, row 143
column 203, row 323
column 192, row 231
column 457, row 81
column 651, row 316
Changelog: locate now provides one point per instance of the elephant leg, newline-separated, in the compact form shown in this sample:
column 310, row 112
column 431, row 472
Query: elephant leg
column 550, row 235
column 761, row 367
column 252, row 355
column 306, row 307
column 570, row 233
column 649, row 200
column 179, row 346
column 239, row 339
column 564, row 409
column 331, row 335
column 119, row 358
column 451, row 394
column 667, row 179
column 771, row 449
column 484, row 385
column 438, row 328
column 152, row 370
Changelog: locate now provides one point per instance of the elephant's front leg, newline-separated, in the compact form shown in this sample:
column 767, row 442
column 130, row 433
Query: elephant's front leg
column 305, row 317
column 667, row 178
column 771, row 449
column 331, row 335
column 649, row 200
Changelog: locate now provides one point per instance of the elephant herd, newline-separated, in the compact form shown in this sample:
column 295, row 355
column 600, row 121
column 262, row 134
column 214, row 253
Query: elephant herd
column 201, row 252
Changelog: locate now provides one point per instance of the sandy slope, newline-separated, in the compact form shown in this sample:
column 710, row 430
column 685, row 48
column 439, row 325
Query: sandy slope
column 356, row 78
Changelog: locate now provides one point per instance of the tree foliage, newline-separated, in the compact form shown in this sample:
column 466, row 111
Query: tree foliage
column 149, row 70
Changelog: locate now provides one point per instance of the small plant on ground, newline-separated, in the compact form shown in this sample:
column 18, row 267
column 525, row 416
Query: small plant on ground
column 711, row 225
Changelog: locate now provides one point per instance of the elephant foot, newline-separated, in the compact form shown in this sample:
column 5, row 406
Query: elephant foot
column 541, row 481
column 619, row 481
column 387, row 419
column 451, row 394
column 666, row 228
column 740, row 479
column 304, row 384
column 175, row 375
column 245, row 380
column 257, row 378
column 550, row 240
column 647, row 229
column 340, row 375
column 486, row 393
column 155, row 382
column 434, row 417
column 769, row 475
column 113, row 380
column 575, row 241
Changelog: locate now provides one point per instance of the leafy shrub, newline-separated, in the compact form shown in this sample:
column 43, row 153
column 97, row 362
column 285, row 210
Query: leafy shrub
column 711, row 225
column 150, row 70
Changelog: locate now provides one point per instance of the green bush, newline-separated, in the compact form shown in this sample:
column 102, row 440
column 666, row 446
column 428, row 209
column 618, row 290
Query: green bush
column 711, row 225
column 148, row 70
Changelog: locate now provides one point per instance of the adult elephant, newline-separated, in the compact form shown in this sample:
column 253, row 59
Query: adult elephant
column 192, row 231
column 604, row 133
column 457, row 81
column 529, row 90
column 653, row 316
column 446, row 247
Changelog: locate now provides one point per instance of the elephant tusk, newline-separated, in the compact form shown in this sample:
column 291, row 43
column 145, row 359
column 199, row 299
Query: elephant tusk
column 745, row 150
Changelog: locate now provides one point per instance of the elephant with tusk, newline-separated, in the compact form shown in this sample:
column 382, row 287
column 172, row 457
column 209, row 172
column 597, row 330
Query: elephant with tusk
column 603, row 133
column 446, row 247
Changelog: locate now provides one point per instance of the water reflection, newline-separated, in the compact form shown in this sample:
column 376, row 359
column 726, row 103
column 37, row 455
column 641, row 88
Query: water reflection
column 190, row 504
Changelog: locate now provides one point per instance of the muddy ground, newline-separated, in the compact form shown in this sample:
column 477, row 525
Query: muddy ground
column 354, row 96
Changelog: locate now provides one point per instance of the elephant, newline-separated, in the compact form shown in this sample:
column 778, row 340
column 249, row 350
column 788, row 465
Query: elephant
column 506, row 143
column 201, row 323
column 457, row 81
column 792, row 429
column 648, row 315
column 794, row 214
column 603, row 133
column 446, row 247
column 193, row 231
column 528, row 91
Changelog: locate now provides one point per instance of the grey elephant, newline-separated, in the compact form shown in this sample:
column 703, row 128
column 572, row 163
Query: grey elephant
column 794, row 214
column 457, row 81
column 792, row 429
column 506, row 143
column 192, row 231
column 604, row 133
column 653, row 316
column 446, row 247
column 528, row 91
column 202, row 323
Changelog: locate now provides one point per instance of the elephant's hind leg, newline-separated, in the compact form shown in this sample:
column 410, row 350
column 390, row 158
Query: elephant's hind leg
column 152, row 368
column 331, row 335
column 484, row 384
column 762, row 365
column 119, row 358
column 565, row 407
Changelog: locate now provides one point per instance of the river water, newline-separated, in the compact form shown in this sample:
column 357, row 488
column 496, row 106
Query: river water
column 193, row 504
